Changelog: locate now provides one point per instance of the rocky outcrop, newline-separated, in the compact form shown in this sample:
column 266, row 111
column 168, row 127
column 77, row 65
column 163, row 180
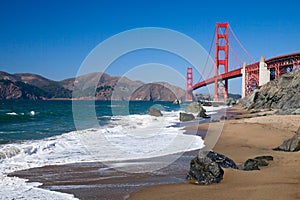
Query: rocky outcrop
column 154, row 112
column 292, row 144
column 255, row 163
column 204, row 171
column 184, row 117
column 282, row 94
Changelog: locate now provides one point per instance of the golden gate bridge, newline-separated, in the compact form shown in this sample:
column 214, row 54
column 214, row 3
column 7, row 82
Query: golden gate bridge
column 253, row 75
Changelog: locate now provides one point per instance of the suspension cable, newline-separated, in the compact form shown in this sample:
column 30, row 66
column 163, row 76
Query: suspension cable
column 235, row 55
column 235, row 37
column 208, row 56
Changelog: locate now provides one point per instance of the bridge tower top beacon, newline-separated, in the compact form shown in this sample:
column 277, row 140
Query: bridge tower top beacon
column 221, row 58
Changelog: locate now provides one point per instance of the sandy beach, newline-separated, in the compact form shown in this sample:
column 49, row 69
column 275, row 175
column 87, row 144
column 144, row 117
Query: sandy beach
column 240, row 140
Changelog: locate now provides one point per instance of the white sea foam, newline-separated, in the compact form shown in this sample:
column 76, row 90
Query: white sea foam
column 11, row 113
column 16, row 188
column 77, row 147
column 213, row 110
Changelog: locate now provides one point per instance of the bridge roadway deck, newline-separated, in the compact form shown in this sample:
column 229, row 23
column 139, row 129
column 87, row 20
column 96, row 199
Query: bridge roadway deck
column 232, row 74
column 287, row 59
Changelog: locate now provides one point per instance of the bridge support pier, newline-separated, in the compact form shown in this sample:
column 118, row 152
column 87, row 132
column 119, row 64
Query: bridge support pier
column 243, row 71
column 226, row 89
column 264, row 73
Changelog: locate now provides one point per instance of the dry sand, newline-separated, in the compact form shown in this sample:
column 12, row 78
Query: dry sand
column 242, row 139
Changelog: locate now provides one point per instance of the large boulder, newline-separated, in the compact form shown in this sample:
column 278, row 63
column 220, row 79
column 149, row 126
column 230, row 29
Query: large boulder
column 292, row 144
column 282, row 94
column 154, row 112
column 194, row 107
column 183, row 117
column 204, row 171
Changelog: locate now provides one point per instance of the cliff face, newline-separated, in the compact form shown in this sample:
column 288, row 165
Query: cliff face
column 31, row 86
column 282, row 94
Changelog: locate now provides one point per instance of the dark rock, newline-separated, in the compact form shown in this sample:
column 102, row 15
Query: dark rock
column 261, row 162
column 292, row 144
column 222, row 160
column 269, row 158
column 282, row 94
column 155, row 112
column 250, row 164
column 253, row 164
column 186, row 117
column 223, row 118
column 204, row 171
column 203, row 114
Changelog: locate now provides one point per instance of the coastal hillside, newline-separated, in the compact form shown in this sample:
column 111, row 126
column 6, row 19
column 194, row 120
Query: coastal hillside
column 32, row 86
column 158, row 91
column 282, row 94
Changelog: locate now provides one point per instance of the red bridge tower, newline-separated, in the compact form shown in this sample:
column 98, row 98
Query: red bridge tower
column 189, row 84
column 221, row 60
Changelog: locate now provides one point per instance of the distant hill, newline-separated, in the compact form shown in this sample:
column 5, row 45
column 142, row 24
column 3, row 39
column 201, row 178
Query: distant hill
column 32, row 86
column 158, row 91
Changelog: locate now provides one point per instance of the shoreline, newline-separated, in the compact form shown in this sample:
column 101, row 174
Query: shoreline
column 242, row 139
column 95, row 180
column 83, row 178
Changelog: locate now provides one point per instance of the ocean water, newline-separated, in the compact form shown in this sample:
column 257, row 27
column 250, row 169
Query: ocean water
column 39, row 133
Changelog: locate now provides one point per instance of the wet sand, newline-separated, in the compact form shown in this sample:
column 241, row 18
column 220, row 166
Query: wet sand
column 242, row 139
column 96, row 180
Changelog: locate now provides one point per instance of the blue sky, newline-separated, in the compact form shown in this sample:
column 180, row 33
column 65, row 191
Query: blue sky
column 52, row 38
